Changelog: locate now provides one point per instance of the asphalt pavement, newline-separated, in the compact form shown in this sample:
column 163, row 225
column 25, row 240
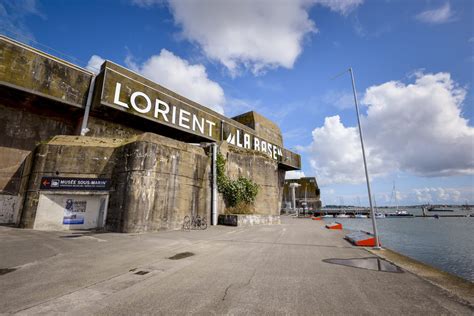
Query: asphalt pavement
column 264, row 270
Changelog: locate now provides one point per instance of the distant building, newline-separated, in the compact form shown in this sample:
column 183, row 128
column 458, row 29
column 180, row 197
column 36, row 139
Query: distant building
column 307, row 195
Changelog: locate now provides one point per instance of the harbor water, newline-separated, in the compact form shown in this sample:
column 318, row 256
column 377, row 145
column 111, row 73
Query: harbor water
column 446, row 243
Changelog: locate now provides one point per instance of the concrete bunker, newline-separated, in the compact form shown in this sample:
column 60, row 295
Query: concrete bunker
column 65, row 123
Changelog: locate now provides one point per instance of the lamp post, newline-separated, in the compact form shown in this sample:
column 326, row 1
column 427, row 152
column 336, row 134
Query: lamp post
column 372, row 213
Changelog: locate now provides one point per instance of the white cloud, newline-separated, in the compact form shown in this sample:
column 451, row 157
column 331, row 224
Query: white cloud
column 415, row 128
column 294, row 174
column 94, row 63
column 343, row 7
column 254, row 34
column 439, row 15
column 441, row 195
column 335, row 154
column 189, row 80
column 419, row 126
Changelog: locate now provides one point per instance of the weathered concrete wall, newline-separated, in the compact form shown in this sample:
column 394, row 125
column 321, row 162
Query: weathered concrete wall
column 102, row 128
column 9, row 208
column 68, row 156
column 261, row 170
column 28, row 69
column 248, row 220
column 34, row 87
column 21, row 131
column 263, row 126
column 308, row 192
column 158, row 181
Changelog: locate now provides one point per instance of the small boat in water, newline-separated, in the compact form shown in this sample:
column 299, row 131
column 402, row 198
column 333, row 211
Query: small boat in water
column 342, row 215
column 360, row 216
column 439, row 209
column 379, row 215
column 399, row 213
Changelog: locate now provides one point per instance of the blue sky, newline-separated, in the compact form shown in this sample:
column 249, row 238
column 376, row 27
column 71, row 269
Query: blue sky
column 413, row 62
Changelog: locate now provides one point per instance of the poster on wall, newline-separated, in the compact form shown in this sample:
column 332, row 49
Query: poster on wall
column 74, row 212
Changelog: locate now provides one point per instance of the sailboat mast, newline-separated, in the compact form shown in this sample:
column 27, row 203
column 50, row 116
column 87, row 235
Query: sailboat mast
column 395, row 196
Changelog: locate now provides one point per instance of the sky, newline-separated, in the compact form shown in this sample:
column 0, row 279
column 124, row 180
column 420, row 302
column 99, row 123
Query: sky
column 413, row 63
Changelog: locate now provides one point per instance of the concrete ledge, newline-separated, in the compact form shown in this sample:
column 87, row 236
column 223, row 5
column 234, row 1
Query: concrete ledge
column 459, row 287
column 248, row 220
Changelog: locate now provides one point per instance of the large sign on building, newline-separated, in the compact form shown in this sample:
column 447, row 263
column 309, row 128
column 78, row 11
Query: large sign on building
column 124, row 90
column 119, row 90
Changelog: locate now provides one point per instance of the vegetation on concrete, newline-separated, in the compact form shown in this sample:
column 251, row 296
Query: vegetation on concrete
column 239, row 194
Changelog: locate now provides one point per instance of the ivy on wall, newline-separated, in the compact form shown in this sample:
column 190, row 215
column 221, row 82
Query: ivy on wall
column 238, row 194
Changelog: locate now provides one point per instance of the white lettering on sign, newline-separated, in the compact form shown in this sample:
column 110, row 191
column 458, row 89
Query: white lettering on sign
column 237, row 138
column 141, row 103
column 117, row 101
column 173, row 120
column 256, row 143
column 196, row 123
column 164, row 111
column 134, row 104
column 161, row 110
column 247, row 141
column 231, row 139
column 211, row 125
column 272, row 151
column 183, row 117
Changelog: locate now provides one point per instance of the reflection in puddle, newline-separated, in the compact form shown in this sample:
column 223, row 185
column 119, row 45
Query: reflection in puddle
column 371, row 263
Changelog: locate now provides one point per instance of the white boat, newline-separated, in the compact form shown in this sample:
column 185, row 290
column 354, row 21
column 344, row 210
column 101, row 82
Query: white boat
column 398, row 212
column 379, row 215
column 342, row 215
column 360, row 216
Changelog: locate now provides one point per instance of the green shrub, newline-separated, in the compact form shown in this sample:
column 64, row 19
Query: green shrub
column 236, row 192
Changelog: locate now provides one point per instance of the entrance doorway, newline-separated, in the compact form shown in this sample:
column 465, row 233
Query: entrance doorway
column 71, row 211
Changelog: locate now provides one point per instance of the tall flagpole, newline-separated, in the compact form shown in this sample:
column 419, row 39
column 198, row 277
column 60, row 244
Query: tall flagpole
column 372, row 213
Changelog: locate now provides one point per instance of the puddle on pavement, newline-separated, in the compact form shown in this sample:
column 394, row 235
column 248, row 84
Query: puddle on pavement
column 6, row 270
column 181, row 255
column 70, row 236
column 84, row 233
column 142, row 272
column 371, row 263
